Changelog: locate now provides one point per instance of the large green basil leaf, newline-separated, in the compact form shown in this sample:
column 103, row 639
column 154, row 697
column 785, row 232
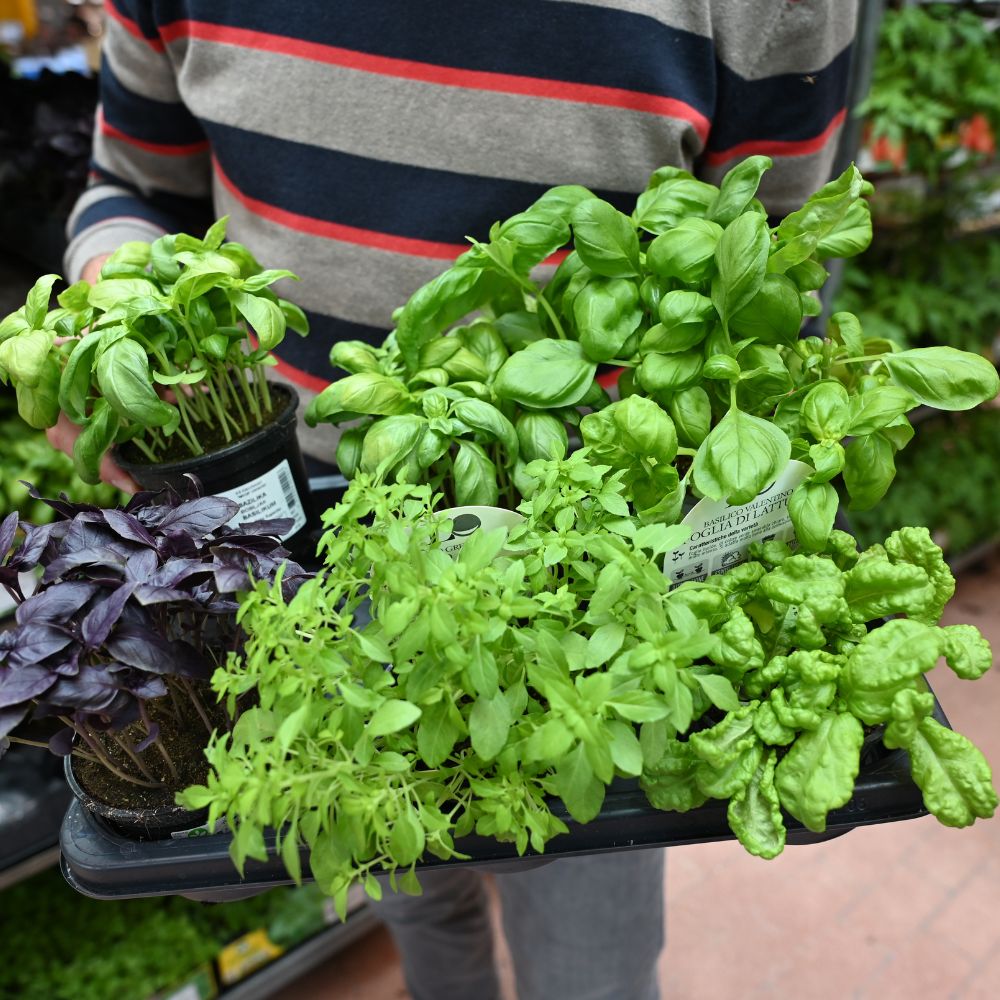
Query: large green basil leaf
column 541, row 435
column 605, row 239
column 23, row 357
column 38, row 405
column 740, row 456
column 636, row 425
column 670, row 199
column 483, row 340
column 94, row 440
column 773, row 315
column 486, row 418
column 74, row 384
column 606, row 312
column 559, row 201
column 741, row 262
column 813, row 509
column 818, row 772
column 547, row 373
column 687, row 317
column 691, row 411
column 265, row 316
column 754, row 813
column 349, row 450
column 37, row 304
column 825, row 209
column 877, row 407
column 826, row 411
column 390, row 441
column 114, row 291
column 943, row 377
column 869, row 469
column 475, row 476
column 535, row 234
column 851, row 235
column 669, row 372
column 367, row 392
column 791, row 254
column 125, row 381
column 738, row 189
column 686, row 252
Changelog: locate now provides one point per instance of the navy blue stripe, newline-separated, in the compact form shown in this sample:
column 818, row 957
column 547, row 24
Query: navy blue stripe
column 122, row 205
column 789, row 107
column 144, row 118
column 312, row 354
column 398, row 199
column 141, row 12
column 559, row 41
column 190, row 212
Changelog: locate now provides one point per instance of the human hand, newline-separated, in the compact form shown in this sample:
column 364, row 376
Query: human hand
column 64, row 434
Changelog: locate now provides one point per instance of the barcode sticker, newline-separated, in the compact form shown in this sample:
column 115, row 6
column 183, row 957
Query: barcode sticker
column 271, row 495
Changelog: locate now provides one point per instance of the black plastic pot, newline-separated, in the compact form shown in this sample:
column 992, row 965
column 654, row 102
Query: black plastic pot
column 140, row 824
column 264, row 473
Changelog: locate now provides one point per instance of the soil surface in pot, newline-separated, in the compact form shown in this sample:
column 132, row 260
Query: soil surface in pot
column 183, row 735
column 210, row 436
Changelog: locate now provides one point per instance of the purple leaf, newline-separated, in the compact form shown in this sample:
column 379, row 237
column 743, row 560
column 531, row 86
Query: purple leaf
column 63, row 506
column 11, row 718
column 104, row 557
column 92, row 690
column 128, row 527
column 155, row 655
column 70, row 666
column 198, row 518
column 176, row 544
column 61, row 744
column 8, row 529
column 176, row 570
column 147, row 594
column 36, row 537
column 274, row 526
column 56, row 604
column 147, row 687
column 21, row 684
column 141, row 565
column 37, row 642
column 103, row 617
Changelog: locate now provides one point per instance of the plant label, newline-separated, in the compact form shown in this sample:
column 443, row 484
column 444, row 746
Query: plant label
column 468, row 520
column 268, row 496
column 721, row 534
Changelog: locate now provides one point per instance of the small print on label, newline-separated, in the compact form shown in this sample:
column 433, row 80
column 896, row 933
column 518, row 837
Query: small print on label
column 466, row 521
column 200, row 831
column 268, row 496
column 721, row 534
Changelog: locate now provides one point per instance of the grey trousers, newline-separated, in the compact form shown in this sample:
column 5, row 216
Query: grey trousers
column 588, row 928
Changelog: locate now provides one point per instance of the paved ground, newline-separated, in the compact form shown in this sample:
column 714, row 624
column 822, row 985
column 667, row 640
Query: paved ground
column 908, row 910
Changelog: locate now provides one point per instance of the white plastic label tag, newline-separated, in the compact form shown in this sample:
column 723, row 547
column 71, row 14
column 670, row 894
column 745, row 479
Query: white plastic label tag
column 721, row 534
column 271, row 495
column 465, row 521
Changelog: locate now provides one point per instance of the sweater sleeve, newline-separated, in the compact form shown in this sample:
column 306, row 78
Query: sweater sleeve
column 151, row 168
column 781, row 87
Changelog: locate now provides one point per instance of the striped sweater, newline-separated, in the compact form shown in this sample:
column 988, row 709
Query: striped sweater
column 358, row 142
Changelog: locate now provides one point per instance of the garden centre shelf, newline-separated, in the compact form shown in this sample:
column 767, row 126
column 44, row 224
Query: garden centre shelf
column 99, row 863
column 33, row 799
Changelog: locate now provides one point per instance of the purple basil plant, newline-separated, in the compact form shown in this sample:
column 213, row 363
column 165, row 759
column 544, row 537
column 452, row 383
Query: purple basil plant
column 133, row 604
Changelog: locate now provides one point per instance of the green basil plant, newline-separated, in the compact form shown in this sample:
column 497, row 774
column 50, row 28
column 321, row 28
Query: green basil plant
column 549, row 659
column 175, row 314
column 701, row 302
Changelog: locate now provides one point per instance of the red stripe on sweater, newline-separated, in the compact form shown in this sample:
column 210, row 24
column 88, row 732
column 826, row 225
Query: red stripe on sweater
column 160, row 148
column 132, row 28
column 778, row 147
column 446, row 76
column 351, row 234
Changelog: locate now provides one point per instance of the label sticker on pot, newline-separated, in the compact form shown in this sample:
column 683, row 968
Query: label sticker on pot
column 271, row 495
column 468, row 520
column 200, row 831
column 721, row 534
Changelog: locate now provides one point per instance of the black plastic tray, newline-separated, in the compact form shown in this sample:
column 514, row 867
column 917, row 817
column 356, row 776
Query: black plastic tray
column 33, row 799
column 100, row 863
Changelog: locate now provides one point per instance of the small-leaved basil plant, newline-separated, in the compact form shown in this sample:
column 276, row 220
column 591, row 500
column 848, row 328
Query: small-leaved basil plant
column 195, row 316
column 701, row 302
column 405, row 698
